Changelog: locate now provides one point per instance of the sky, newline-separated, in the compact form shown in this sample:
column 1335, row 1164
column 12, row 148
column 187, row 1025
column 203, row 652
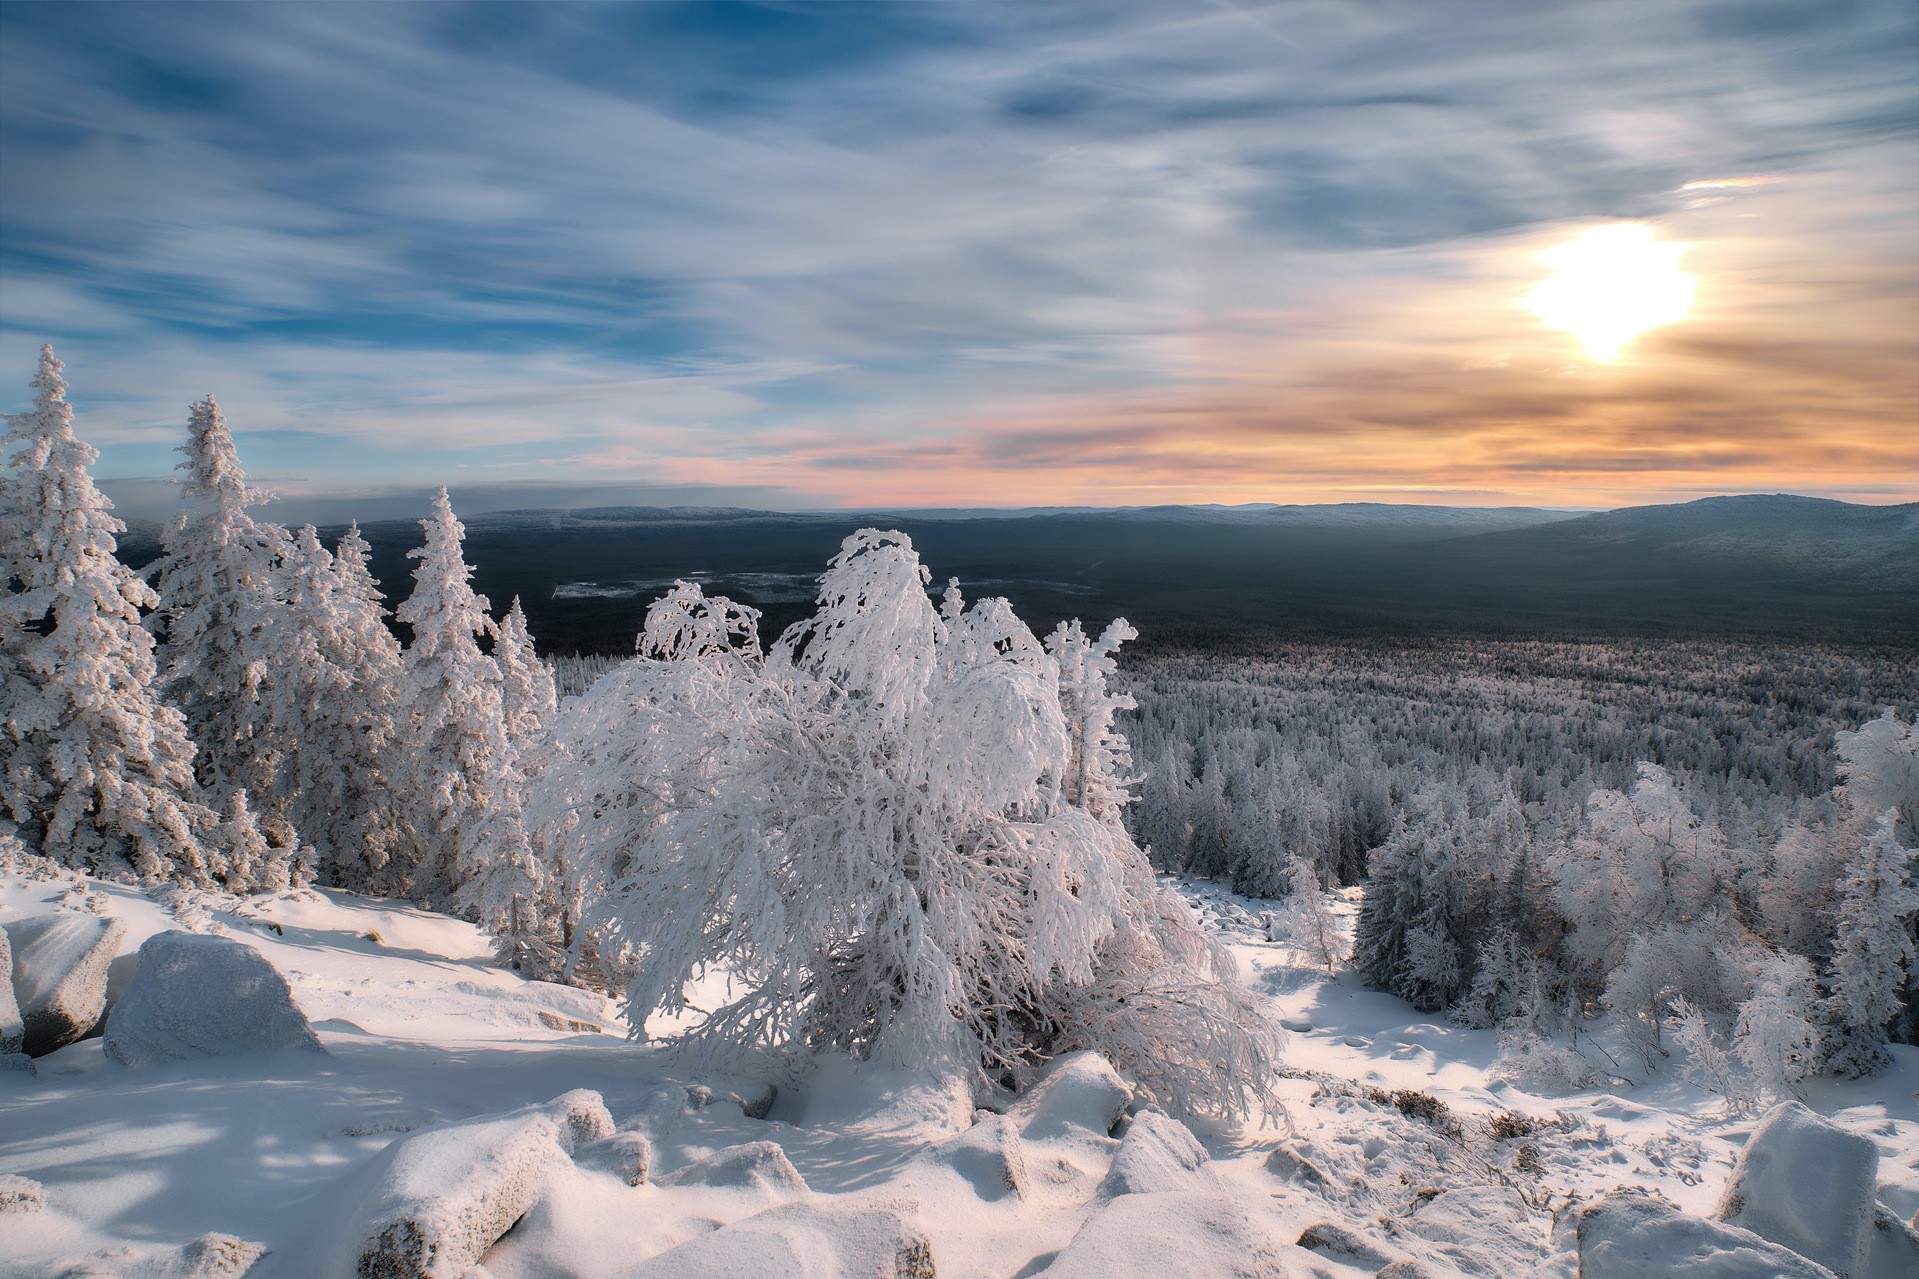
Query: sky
column 810, row 255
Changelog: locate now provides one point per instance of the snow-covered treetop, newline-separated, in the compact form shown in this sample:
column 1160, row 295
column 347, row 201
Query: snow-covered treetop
column 686, row 622
column 875, row 632
column 443, row 601
column 1879, row 770
column 212, row 462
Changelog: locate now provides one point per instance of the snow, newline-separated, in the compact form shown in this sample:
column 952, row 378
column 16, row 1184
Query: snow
column 1807, row 1185
column 199, row 996
column 60, row 975
column 1633, row 1234
column 13, row 1032
column 430, row 1044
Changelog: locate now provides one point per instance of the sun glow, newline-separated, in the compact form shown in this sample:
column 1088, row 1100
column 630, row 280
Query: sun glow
column 1611, row 284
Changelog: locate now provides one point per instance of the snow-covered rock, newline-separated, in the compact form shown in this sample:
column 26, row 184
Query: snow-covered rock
column 1082, row 1090
column 755, row 1165
column 989, row 1156
column 1213, row 1234
column 60, row 975
column 626, row 1155
column 1894, row 1247
column 1636, row 1234
column 211, row 1256
column 801, row 1241
column 432, row 1203
column 197, row 995
column 12, row 1032
column 1808, row 1185
column 1157, row 1153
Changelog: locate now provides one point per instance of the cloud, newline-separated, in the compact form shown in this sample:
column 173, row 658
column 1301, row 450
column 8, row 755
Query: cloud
column 906, row 249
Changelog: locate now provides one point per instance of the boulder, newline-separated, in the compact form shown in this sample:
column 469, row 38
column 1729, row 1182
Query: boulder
column 432, row 1203
column 755, row 1165
column 195, row 995
column 1895, row 1246
column 1808, row 1185
column 1636, row 1234
column 60, row 975
column 989, row 1156
column 1156, row 1153
column 1082, row 1090
column 801, row 1241
column 626, row 1155
column 1212, row 1234
column 12, row 1032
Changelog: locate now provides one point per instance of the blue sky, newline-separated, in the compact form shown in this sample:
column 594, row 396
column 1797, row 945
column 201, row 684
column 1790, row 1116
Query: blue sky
column 967, row 253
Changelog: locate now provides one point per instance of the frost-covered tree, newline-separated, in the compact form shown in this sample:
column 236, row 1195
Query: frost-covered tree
column 870, row 825
column 1306, row 920
column 222, row 587
column 1879, row 769
column 1872, row 948
column 1096, row 777
column 1705, row 1061
column 465, row 787
column 98, row 771
column 1777, row 1034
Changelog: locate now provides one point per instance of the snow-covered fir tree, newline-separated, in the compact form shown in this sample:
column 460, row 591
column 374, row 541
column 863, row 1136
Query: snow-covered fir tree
column 98, row 770
column 872, row 820
column 222, row 586
column 1873, row 951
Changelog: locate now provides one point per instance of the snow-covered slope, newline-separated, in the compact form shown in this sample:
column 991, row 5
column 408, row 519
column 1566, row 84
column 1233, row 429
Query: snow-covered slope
column 1393, row 1142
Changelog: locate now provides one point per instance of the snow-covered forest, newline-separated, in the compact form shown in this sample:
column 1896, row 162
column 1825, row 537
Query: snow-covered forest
column 910, row 834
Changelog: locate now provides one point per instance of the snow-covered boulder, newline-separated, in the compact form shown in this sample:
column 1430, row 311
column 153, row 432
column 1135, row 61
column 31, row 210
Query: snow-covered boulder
column 1894, row 1247
column 989, row 1156
column 1809, row 1185
column 432, row 1203
column 60, row 975
column 1081, row 1090
column 1157, row 1153
column 1636, row 1234
column 196, row 995
column 626, row 1155
column 759, row 1166
column 211, row 1256
column 1212, row 1234
column 801, row 1241
column 12, row 1032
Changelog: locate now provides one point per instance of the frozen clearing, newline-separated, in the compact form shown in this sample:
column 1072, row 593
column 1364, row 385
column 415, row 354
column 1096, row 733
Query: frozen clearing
column 882, row 1174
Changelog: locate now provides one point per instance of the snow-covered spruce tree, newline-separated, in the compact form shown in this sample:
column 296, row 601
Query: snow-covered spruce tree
column 222, row 611
column 1306, row 922
column 1873, row 953
column 528, row 696
column 869, row 825
column 1777, row 1034
column 340, row 683
column 98, row 771
column 466, row 790
column 1096, row 777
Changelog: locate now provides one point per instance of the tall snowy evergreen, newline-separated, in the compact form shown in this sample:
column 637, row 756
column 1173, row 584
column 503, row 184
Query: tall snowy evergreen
column 466, row 791
column 223, row 612
column 1873, row 951
column 98, row 771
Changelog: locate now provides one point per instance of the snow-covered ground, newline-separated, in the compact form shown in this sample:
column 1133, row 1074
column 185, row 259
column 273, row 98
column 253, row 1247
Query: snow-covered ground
column 1394, row 1139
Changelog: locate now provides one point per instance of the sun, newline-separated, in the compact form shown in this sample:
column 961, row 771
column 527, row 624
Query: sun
column 1611, row 284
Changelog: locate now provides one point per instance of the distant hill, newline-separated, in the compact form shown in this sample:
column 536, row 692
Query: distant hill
column 1212, row 575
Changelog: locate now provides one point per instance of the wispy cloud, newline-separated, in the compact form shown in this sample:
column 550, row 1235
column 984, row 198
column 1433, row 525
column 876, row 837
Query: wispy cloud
column 960, row 252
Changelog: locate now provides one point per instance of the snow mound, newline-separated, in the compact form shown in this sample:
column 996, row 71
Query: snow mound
column 12, row 1032
column 1808, row 1185
column 626, row 1155
column 1636, row 1234
column 1157, row 1153
column 211, row 1256
column 989, row 1157
column 1215, row 1235
column 197, row 995
column 432, row 1203
column 1082, row 1090
column 801, row 1241
column 20, row 1194
column 755, row 1165
column 60, row 975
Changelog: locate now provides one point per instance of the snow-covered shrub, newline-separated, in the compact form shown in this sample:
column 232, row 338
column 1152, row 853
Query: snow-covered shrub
column 870, row 826
column 1705, row 1061
column 1306, row 921
column 1776, row 1036
column 1542, row 1064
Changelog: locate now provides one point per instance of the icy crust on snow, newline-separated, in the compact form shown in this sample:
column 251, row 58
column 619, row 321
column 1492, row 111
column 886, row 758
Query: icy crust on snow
column 1635, row 1234
column 432, row 1204
column 203, row 996
column 1807, row 1185
column 60, row 975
